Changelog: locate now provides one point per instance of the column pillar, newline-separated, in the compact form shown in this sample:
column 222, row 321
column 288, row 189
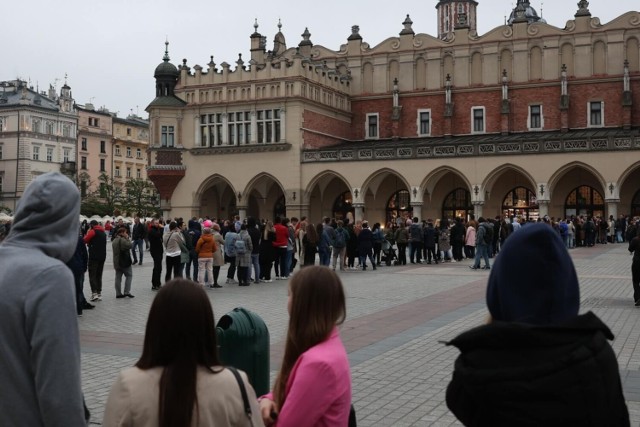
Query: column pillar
column 477, row 209
column 358, row 212
column 543, row 208
column 417, row 211
column 612, row 207
column 242, row 212
column 283, row 125
column 198, row 133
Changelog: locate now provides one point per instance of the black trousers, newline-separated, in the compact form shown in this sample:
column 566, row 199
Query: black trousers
column 95, row 275
column 157, row 269
column 635, row 279
column 402, row 253
column 232, row 267
column 173, row 265
column 265, row 269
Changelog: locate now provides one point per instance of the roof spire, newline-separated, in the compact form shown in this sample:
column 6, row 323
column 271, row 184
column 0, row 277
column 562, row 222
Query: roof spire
column 165, row 58
column 279, row 25
column 255, row 25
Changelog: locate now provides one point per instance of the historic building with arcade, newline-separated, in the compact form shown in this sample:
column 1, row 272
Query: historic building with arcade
column 527, row 119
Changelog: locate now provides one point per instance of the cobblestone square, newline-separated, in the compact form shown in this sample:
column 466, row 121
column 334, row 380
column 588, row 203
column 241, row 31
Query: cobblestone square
column 396, row 320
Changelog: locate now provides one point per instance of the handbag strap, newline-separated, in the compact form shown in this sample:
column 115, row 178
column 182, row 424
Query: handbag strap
column 243, row 391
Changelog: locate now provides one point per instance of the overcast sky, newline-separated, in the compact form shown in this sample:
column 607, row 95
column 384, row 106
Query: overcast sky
column 110, row 48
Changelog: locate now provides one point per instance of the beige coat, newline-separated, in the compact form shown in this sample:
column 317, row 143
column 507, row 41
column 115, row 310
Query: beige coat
column 218, row 255
column 133, row 400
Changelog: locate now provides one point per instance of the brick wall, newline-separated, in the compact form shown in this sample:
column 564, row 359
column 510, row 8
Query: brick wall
column 168, row 157
column 333, row 130
column 520, row 100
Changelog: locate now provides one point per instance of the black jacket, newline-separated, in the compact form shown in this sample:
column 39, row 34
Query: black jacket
column 515, row 374
column 155, row 240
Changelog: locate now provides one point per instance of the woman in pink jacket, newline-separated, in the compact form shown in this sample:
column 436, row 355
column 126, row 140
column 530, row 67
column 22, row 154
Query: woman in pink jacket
column 313, row 387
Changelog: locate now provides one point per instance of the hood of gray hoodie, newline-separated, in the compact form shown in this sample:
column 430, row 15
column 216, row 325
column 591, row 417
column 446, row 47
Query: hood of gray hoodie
column 47, row 217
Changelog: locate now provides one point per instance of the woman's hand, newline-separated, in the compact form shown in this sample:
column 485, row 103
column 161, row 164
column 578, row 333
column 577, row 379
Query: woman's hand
column 268, row 409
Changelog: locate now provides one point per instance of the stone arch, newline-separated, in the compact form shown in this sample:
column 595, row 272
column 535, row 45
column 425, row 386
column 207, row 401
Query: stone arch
column 633, row 54
column 376, row 191
column 263, row 195
column 494, row 175
column 628, row 188
column 367, row 77
column 326, row 176
column 560, row 173
column 566, row 58
column 535, row 63
column 476, row 68
column 421, row 73
column 429, row 183
column 215, row 197
column 393, row 73
column 506, row 63
column 599, row 58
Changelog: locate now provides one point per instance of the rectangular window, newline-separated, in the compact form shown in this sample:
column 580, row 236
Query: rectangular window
column 84, row 144
column 138, row 173
column 596, row 114
column 36, row 153
column 2, row 124
column 128, row 131
column 93, row 121
column 35, row 125
column 128, row 172
column 66, row 153
column 103, row 147
column 102, row 165
column 138, row 153
column 0, row 151
column 535, row 117
column 50, row 127
column 128, row 151
column 424, row 122
column 268, row 122
column 168, row 138
column 117, row 153
column 83, row 162
column 210, row 130
column 477, row 119
column 117, row 172
column 49, row 154
column 1, row 179
column 83, row 188
column 372, row 131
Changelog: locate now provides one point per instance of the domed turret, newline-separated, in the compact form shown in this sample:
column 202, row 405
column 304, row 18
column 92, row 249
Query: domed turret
column 166, row 75
column 166, row 68
column 523, row 12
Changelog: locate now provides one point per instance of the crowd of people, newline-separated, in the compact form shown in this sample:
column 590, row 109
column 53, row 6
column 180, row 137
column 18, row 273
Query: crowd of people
column 536, row 361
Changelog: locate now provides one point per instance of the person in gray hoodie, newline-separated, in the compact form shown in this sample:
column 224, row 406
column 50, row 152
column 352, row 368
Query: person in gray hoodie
column 40, row 351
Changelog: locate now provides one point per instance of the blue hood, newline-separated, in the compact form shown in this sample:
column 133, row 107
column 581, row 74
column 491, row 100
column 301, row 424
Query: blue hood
column 533, row 279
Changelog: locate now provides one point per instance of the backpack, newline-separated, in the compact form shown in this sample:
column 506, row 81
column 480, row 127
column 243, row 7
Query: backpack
column 488, row 234
column 340, row 240
column 241, row 248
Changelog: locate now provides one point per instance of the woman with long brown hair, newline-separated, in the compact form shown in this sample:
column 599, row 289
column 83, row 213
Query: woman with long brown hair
column 313, row 387
column 179, row 381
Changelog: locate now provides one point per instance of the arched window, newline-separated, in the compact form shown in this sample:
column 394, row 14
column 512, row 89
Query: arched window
column 521, row 202
column 280, row 208
column 399, row 205
column 635, row 204
column 584, row 200
column 342, row 206
column 457, row 204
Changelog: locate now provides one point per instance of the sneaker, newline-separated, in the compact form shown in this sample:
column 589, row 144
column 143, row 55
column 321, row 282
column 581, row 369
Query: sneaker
column 129, row 296
column 99, row 297
column 216, row 286
column 256, row 282
column 119, row 296
column 268, row 281
column 79, row 314
column 473, row 268
column 94, row 297
column 284, row 278
column 87, row 306
column 486, row 268
column 140, row 263
column 638, row 302
column 278, row 278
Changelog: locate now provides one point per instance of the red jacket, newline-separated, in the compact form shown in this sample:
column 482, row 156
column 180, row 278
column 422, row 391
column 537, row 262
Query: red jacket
column 282, row 236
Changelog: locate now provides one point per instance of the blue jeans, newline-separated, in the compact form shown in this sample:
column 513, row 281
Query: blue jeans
column 255, row 260
column 481, row 252
column 325, row 256
column 619, row 236
column 137, row 244
column 287, row 271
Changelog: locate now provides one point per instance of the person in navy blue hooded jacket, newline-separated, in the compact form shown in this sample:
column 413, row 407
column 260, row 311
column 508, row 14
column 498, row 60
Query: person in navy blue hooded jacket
column 537, row 362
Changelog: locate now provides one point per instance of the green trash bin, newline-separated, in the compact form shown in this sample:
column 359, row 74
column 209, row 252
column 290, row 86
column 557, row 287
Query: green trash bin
column 243, row 342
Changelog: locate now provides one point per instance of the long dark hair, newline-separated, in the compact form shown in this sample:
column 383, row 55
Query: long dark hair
column 180, row 336
column 317, row 306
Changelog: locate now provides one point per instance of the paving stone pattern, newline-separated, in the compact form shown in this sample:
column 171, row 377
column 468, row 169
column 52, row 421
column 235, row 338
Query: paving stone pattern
column 397, row 321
